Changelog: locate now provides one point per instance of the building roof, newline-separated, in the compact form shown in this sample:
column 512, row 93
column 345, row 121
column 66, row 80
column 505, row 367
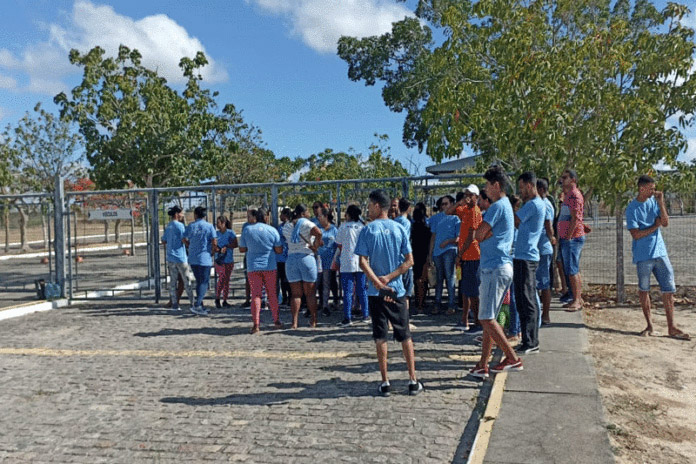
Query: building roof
column 450, row 167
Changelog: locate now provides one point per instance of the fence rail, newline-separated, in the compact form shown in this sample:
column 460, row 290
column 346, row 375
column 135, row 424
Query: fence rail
column 123, row 258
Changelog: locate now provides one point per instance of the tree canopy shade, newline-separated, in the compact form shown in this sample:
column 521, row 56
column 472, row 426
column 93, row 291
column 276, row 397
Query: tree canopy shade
column 539, row 84
column 138, row 128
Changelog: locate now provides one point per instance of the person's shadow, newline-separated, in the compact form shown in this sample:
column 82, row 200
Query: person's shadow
column 285, row 392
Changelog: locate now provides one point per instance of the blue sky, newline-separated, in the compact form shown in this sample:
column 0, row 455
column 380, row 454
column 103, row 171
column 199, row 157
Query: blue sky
column 274, row 59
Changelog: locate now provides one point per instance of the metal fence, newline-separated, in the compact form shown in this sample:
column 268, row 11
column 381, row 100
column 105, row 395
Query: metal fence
column 110, row 240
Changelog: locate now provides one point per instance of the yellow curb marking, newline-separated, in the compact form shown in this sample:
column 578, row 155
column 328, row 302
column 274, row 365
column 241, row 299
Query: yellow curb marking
column 201, row 354
column 175, row 354
column 483, row 435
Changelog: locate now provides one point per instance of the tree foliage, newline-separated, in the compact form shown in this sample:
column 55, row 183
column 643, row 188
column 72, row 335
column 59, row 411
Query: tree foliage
column 42, row 147
column 138, row 128
column 539, row 84
column 331, row 165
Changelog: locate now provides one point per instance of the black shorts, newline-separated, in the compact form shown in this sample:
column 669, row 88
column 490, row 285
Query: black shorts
column 383, row 313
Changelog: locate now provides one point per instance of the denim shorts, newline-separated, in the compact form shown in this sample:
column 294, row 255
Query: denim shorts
column 470, row 278
column 663, row 271
column 543, row 272
column 571, row 250
column 494, row 283
column 301, row 268
column 407, row 279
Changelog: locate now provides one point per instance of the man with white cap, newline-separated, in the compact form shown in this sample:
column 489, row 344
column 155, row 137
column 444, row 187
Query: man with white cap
column 469, row 254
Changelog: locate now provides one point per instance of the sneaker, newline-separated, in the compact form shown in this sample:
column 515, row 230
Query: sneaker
column 384, row 389
column 326, row 312
column 254, row 330
column 176, row 308
column 480, row 372
column 462, row 326
column 199, row 310
column 366, row 320
column 415, row 388
column 345, row 323
column 225, row 304
column 508, row 365
column 526, row 349
column 566, row 298
column 217, row 303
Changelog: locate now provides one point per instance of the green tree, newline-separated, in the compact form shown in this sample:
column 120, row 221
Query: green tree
column 42, row 146
column 138, row 128
column 541, row 85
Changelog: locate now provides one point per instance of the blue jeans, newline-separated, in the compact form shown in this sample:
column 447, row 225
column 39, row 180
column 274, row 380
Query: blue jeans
column 514, row 327
column 444, row 264
column 571, row 251
column 357, row 281
column 202, row 274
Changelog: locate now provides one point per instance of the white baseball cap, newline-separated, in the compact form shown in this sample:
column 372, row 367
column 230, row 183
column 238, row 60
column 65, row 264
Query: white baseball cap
column 473, row 189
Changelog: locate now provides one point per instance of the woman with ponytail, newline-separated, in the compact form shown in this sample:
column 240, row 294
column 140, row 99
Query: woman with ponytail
column 304, row 239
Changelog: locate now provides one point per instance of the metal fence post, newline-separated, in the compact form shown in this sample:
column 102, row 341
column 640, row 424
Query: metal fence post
column 338, row 204
column 404, row 189
column 274, row 205
column 154, row 243
column 59, row 237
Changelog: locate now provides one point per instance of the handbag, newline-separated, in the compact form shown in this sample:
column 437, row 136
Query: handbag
column 432, row 275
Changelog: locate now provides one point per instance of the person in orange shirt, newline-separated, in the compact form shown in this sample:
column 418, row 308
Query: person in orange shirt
column 469, row 254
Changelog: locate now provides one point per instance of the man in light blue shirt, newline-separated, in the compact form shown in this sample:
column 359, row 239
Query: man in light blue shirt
column 495, row 236
column 402, row 218
column 529, row 220
column 177, row 263
column 200, row 238
column 443, row 253
column 644, row 216
column 385, row 255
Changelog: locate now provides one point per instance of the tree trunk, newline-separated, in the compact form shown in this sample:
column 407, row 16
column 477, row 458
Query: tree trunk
column 106, row 231
column 23, row 219
column 620, row 289
column 117, row 231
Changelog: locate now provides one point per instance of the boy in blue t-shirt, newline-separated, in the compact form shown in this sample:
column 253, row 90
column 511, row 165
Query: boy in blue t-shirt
column 644, row 216
column 495, row 235
column 385, row 255
column 177, row 262
column 200, row 236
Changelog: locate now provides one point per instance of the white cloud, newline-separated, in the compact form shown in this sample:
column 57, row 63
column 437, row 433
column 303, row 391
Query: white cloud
column 7, row 82
column 160, row 40
column 320, row 23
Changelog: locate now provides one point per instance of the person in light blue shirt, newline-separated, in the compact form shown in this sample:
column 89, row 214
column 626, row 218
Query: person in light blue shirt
column 644, row 217
column 177, row 262
column 529, row 220
column 326, row 278
column 547, row 241
column 224, row 260
column 281, row 259
column 200, row 238
column 385, row 255
column 495, row 240
column 443, row 253
column 261, row 242
column 402, row 218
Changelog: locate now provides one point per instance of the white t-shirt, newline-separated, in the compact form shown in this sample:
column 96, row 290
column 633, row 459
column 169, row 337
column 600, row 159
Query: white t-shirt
column 347, row 237
column 306, row 232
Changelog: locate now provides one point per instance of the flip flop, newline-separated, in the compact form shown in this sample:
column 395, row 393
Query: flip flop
column 680, row 336
column 647, row 333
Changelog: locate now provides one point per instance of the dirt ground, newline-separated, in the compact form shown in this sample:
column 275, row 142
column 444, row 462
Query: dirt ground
column 648, row 384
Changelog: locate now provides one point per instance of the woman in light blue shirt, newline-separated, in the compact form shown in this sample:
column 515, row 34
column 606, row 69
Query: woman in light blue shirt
column 326, row 280
column 224, row 260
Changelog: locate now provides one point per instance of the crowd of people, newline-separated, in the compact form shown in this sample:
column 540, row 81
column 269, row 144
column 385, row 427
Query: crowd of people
column 485, row 246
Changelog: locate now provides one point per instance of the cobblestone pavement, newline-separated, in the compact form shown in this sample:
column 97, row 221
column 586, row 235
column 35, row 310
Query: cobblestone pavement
column 136, row 383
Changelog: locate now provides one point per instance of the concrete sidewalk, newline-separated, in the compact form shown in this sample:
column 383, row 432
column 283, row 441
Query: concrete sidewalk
column 552, row 411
